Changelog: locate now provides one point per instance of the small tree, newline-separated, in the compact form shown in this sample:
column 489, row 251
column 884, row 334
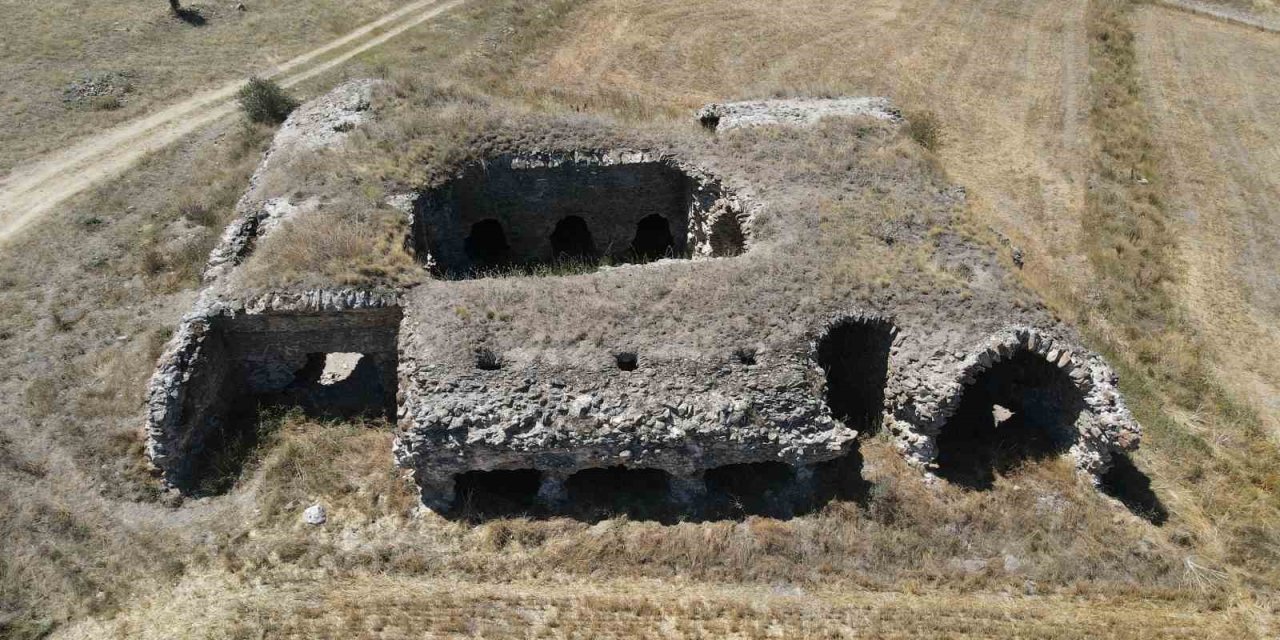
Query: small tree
column 264, row 101
column 175, row 7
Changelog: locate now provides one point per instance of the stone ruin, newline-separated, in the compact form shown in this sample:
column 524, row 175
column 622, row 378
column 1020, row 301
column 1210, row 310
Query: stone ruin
column 678, row 431
column 523, row 210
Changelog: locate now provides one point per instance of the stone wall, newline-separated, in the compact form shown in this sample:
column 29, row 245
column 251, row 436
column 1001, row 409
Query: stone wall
column 688, row 408
column 922, row 398
column 612, row 192
column 793, row 112
column 226, row 353
column 679, row 416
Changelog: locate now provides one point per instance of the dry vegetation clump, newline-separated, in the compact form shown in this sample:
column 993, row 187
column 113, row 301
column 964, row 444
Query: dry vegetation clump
column 342, row 245
column 265, row 102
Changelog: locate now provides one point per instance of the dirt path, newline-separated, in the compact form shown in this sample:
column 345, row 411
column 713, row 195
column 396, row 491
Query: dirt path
column 1224, row 14
column 30, row 192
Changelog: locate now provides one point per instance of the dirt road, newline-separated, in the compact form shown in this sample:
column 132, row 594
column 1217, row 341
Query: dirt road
column 32, row 191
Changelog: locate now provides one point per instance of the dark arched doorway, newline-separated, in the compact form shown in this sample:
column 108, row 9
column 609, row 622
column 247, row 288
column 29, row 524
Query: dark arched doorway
column 1022, row 409
column 487, row 245
column 854, row 354
column 653, row 239
column 571, row 240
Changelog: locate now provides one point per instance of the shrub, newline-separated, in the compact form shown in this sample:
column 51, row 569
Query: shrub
column 265, row 101
column 925, row 128
column 105, row 103
column 488, row 360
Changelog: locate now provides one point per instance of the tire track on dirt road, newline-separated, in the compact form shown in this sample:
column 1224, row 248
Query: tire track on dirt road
column 29, row 193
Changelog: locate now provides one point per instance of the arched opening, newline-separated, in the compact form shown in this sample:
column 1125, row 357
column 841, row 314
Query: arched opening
column 487, row 245
column 580, row 206
column 638, row 493
column 855, row 356
column 726, row 237
column 505, row 492
column 753, row 488
column 1021, row 409
column 571, row 240
column 340, row 385
column 653, row 239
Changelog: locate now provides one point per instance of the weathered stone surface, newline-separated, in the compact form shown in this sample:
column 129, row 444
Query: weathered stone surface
column 686, row 408
column 315, row 514
column 793, row 111
column 611, row 191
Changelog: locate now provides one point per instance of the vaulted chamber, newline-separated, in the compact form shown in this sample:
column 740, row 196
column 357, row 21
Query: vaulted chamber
column 515, row 212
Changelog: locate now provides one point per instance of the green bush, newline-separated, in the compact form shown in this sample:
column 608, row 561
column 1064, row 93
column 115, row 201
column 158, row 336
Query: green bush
column 264, row 101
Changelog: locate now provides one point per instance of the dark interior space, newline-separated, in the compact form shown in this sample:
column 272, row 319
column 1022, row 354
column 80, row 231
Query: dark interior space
column 571, row 240
column 641, row 494
column 1128, row 484
column 230, row 445
column 732, row 492
column 753, row 488
column 627, row 360
column 1020, row 410
column 323, row 390
column 260, row 368
column 727, row 237
column 841, row 479
column 487, row 246
column 855, row 356
column 501, row 493
column 653, row 239
column 530, row 212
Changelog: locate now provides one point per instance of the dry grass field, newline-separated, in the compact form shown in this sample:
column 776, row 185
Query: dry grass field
column 1175, row 129
column 151, row 58
column 1217, row 107
column 387, row 607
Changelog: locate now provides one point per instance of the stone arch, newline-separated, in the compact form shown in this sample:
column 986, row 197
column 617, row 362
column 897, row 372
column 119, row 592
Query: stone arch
column 727, row 237
column 1022, row 408
column 638, row 206
column 487, row 246
column 853, row 354
column 653, row 239
column 571, row 239
column 1028, row 396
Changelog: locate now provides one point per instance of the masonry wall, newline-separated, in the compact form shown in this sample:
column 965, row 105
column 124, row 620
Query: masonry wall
column 224, row 359
column 528, row 197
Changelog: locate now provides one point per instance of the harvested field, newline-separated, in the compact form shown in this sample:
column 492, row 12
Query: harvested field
column 1189, row 547
column 1217, row 111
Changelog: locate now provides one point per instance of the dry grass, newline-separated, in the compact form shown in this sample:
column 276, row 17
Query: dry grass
column 391, row 607
column 1009, row 83
column 343, row 244
column 1210, row 84
column 49, row 45
column 1033, row 535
